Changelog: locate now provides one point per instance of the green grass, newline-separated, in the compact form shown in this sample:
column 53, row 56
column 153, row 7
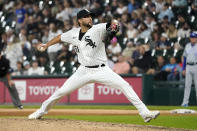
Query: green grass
column 186, row 122
column 115, row 107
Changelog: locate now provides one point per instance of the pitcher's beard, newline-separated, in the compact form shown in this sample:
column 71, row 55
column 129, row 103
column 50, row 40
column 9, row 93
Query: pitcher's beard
column 89, row 25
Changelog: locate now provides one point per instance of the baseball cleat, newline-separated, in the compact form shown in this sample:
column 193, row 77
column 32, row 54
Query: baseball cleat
column 35, row 115
column 150, row 116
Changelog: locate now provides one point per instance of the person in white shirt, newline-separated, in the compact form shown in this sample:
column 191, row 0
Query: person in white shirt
column 88, row 41
column 35, row 69
column 52, row 50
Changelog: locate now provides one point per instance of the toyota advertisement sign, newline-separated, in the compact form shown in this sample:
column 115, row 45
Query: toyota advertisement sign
column 34, row 90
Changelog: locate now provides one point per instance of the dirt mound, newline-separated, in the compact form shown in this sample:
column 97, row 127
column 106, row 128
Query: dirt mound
column 22, row 124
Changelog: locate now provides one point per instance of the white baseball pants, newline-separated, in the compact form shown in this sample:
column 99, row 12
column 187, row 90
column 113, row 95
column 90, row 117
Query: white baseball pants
column 102, row 75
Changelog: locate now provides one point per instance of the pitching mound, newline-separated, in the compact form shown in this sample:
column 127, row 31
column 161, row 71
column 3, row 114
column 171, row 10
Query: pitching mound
column 22, row 124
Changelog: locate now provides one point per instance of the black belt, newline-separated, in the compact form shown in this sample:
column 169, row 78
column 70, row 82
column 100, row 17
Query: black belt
column 192, row 63
column 95, row 66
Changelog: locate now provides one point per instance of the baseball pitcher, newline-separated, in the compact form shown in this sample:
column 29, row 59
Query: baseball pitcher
column 88, row 42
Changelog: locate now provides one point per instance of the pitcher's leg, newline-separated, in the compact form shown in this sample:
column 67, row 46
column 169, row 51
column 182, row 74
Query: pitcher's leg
column 188, row 84
column 111, row 79
column 74, row 82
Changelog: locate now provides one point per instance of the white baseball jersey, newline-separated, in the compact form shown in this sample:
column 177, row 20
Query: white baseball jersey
column 91, row 49
column 91, row 52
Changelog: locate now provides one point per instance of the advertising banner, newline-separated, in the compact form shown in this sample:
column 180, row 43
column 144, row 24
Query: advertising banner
column 97, row 93
column 2, row 92
column 36, row 90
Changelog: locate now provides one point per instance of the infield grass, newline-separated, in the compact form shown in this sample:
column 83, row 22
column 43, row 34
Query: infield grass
column 115, row 107
column 185, row 122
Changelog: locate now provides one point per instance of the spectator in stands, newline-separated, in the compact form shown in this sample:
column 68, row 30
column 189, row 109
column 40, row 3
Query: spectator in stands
column 52, row 50
column 132, row 32
column 184, row 31
column 26, row 66
column 35, row 69
column 143, row 63
column 21, row 15
column 114, row 49
column 155, row 39
column 135, row 19
column 163, row 43
column 121, row 8
column 45, row 36
column 166, row 11
column 194, row 8
column 150, row 22
column 171, row 31
column 128, row 51
column 171, row 71
column 133, row 5
column 159, row 5
column 14, row 52
column 64, row 54
column 144, row 31
column 65, row 14
column 122, row 66
column 179, row 3
column 32, row 26
column 181, row 21
column 19, row 70
column 114, row 6
column 157, row 66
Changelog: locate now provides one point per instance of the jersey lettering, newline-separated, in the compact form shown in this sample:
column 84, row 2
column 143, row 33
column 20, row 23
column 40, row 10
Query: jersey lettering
column 90, row 42
column 76, row 48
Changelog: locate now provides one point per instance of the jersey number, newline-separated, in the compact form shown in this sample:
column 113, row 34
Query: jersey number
column 76, row 48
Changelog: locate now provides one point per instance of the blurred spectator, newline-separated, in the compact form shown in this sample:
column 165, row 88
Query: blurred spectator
column 122, row 66
column 159, row 5
column 64, row 54
column 128, row 51
column 155, row 39
column 35, row 69
column 166, row 11
column 19, row 70
column 181, row 21
column 121, row 8
column 14, row 52
column 157, row 66
column 194, row 8
column 184, row 31
column 52, row 50
column 179, row 3
column 144, row 31
column 171, row 31
column 135, row 19
column 163, row 43
column 26, row 66
column 45, row 36
column 21, row 15
column 77, row 7
column 133, row 5
column 150, row 22
column 65, row 13
column 169, row 71
column 132, row 32
column 143, row 63
column 114, row 49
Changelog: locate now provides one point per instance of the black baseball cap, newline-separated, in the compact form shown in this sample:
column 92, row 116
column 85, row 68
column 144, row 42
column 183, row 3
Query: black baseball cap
column 83, row 13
